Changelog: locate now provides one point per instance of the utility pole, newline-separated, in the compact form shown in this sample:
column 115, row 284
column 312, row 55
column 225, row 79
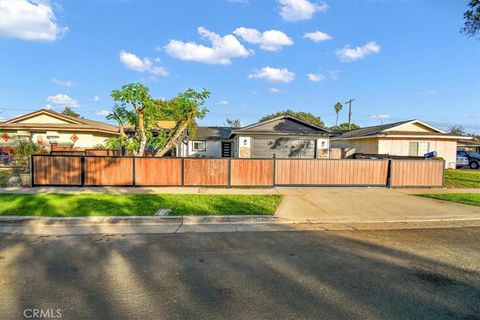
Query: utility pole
column 349, row 102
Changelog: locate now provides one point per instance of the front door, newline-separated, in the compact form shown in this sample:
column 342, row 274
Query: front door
column 226, row 149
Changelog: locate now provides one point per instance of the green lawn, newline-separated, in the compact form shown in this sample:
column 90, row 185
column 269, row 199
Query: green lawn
column 466, row 198
column 462, row 178
column 77, row 205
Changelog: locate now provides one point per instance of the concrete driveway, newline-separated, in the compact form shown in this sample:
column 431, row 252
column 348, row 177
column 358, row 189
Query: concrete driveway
column 367, row 204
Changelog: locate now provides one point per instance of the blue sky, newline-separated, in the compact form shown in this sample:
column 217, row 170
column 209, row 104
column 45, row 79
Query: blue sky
column 398, row 59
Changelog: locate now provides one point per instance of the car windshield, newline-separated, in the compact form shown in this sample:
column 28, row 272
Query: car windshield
column 473, row 154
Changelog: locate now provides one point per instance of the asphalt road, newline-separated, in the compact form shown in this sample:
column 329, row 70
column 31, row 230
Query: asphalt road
column 428, row 274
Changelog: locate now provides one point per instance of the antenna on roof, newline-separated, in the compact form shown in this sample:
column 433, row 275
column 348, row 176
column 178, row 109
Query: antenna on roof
column 349, row 102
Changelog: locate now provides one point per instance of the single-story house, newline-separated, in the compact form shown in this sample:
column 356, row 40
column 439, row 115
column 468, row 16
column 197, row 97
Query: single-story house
column 48, row 128
column 281, row 137
column 405, row 138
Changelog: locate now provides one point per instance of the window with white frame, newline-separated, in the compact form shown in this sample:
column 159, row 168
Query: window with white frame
column 199, row 145
column 418, row 148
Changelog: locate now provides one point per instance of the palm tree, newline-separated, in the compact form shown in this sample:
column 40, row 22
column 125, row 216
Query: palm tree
column 338, row 107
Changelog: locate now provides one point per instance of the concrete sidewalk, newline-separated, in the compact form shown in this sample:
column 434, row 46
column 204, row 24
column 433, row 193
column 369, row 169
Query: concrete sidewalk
column 368, row 204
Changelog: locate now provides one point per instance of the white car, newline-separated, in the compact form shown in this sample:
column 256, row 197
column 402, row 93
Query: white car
column 462, row 161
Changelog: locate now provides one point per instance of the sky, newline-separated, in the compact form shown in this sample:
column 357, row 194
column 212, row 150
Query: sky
column 399, row 60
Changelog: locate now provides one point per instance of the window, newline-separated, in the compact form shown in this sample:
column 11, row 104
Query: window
column 199, row 145
column 418, row 148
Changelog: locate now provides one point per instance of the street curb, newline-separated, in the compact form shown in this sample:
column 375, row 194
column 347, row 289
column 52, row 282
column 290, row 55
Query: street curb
column 140, row 220
column 208, row 220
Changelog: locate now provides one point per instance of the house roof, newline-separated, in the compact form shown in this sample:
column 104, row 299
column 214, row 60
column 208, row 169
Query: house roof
column 65, row 123
column 284, row 124
column 212, row 133
column 394, row 129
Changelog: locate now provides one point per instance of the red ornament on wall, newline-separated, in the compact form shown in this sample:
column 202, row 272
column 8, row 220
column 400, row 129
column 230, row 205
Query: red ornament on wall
column 5, row 137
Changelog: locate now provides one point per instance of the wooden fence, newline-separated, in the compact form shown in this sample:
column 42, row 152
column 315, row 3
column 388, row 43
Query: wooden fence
column 149, row 171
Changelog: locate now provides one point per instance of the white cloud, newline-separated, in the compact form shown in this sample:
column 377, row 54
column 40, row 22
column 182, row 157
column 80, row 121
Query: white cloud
column 380, row 116
column 427, row 93
column 274, row 90
column 317, row 36
column 348, row 54
column 223, row 49
column 133, row 62
column 224, row 103
column 62, row 100
column 96, row 98
column 29, row 20
column 103, row 113
column 273, row 75
column 297, row 10
column 65, row 83
column 315, row 77
column 271, row 40
column 48, row 107
column 334, row 74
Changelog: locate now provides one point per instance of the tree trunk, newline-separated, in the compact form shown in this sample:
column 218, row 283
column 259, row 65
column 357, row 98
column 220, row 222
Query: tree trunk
column 141, row 133
column 169, row 145
column 336, row 122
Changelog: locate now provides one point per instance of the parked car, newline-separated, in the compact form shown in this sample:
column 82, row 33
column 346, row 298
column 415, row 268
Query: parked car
column 462, row 161
column 473, row 158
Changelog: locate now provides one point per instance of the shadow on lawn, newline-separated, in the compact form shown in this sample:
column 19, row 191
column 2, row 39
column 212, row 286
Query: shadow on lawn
column 235, row 275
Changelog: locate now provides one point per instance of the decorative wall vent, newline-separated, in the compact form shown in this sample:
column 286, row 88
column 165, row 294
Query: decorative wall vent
column 74, row 138
column 5, row 137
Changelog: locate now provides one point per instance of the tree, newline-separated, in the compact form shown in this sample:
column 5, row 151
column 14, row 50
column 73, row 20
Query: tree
column 337, row 107
column 184, row 109
column 305, row 116
column 344, row 126
column 472, row 19
column 69, row 112
column 233, row 123
column 137, row 96
column 458, row 130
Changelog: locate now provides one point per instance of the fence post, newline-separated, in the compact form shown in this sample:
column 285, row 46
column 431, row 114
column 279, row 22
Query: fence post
column 82, row 171
column 183, row 172
column 389, row 174
column 133, row 171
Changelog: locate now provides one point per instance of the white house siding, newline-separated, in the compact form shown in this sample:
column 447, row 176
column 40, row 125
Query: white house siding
column 447, row 149
column 213, row 150
column 85, row 140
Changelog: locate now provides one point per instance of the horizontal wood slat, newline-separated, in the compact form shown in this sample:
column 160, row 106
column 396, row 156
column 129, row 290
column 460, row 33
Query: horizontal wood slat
column 108, row 171
column 158, row 172
column 206, row 172
column 420, row 173
column 331, row 172
column 251, row 172
column 57, row 170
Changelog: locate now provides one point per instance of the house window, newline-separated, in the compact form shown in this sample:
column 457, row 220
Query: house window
column 418, row 148
column 199, row 145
